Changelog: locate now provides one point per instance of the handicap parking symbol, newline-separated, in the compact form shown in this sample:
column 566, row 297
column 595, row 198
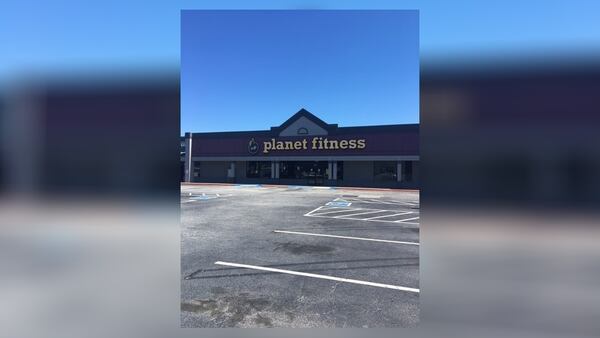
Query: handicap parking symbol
column 339, row 203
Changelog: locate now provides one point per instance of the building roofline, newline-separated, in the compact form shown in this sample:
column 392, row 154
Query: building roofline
column 310, row 116
column 333, row 129
column 337, row 131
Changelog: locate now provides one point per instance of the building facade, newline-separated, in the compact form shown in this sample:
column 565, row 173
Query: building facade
column 305, row 150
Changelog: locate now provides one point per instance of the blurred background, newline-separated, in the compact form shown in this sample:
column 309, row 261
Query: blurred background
column 89, row 167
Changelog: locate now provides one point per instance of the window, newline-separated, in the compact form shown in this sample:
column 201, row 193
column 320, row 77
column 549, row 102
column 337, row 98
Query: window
column 303, row 169
column 384, row 171
column 407, row 172
column 196, row 169
column 302, row 131
column 258, row 169
column 340, row 170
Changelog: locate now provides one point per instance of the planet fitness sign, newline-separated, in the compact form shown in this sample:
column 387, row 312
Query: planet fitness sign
column 316, row 144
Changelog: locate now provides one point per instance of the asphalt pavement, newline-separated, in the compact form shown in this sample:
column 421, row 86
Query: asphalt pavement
column 288, row 256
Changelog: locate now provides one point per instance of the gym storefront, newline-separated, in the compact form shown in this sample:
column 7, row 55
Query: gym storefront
column 306, row 150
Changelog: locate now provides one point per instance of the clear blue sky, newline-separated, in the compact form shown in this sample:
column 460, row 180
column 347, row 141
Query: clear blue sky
column 70, row 37
column 249, row 70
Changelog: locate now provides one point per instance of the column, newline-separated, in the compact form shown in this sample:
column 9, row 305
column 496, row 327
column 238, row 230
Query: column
column 277, row 169
column 330, row 170
column 273, row 176
column 232, row 170
column 335, row 170
column 399, row 171
column 188, row 166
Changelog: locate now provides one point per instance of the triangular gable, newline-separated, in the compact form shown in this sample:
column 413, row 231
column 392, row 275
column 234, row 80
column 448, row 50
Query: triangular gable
column 304, row 123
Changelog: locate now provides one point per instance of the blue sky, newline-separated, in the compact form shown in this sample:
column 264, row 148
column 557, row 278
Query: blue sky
column 74, row 37
column 248, row 70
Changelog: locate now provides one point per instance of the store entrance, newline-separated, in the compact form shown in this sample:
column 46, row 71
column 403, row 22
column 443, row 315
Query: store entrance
column 314, row 172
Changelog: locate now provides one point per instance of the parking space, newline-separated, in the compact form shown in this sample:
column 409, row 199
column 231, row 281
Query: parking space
column 279, row 256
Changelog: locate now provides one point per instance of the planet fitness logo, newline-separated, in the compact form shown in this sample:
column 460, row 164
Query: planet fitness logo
column 252, row 147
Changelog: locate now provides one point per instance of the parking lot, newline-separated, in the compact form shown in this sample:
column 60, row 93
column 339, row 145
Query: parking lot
column 293, row 256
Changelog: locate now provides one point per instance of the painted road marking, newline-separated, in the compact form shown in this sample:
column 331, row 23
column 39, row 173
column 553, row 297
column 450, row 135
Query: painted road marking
column 204, row 197
column 327, row 208
column 330, row 212
column 334, row 211
column 344, row 237
column 374, row 201
column 389, row 202
column 338, row 204
column 377, row 220
column 404, row 220
column 361, row 213
column 396, row 214
column 314, row 275
column 310, row 212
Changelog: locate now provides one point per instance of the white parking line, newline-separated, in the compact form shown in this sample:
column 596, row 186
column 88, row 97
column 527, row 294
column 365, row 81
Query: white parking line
column 344, row 237
column 373, row 201
column 328, row 208
column 348, row 213
column 360, row 213
column 381, row 220
column 335, row 211
column 310, row 212
column 397, row 214
column 314, row 275
column 408, row 219
column 396, row 203
column 363, row 219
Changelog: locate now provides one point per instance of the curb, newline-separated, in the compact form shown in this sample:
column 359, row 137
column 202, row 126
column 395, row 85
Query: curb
column 306, row 186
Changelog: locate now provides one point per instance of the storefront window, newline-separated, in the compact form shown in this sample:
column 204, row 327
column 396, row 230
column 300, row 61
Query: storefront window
column 302, row 169
column 407, row 172
column 384, row 171
column 258, row 169
column 340, row 170
column 196, row 169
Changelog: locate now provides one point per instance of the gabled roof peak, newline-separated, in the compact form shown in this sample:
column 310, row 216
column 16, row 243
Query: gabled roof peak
column 304, row 113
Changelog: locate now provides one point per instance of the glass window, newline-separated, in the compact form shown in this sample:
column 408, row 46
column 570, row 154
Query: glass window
column 340, row 170
column 258, row 169
column 196, row 169
column 384, row 171
column 407, row 174
column 303, row 169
